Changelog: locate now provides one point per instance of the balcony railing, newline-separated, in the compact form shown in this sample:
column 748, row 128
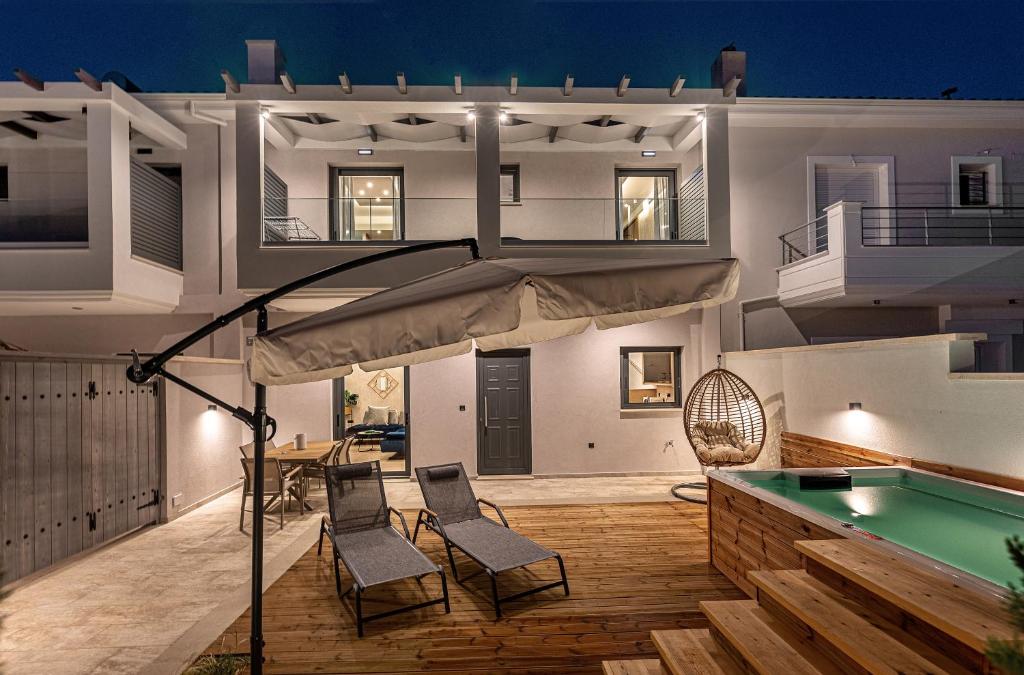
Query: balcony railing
column 942, row 226
column 323, row 220
column 40, row 223
column 644, row 220
column 806, row 240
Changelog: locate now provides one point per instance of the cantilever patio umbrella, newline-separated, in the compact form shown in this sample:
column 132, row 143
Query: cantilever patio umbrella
column 493, row 303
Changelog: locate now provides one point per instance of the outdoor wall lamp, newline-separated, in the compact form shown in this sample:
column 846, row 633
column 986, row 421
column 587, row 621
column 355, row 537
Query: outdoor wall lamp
column 855, row 405
column 364, row 151
column 211, row 408
column 648, row 153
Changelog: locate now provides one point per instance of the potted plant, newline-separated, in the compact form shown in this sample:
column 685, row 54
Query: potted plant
column 350, row 402
column 1008, row 655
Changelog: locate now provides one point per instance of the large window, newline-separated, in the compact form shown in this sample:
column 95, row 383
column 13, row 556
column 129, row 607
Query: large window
column 650, row 377
column 366, row 204
column 646, row 204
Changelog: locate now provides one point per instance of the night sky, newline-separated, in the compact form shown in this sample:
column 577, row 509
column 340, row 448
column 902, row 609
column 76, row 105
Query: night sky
column 807, row 48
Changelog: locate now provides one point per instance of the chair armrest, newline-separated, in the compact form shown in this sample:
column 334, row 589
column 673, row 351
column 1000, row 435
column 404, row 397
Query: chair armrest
column 495, row 507
column 430, row 515
column 294, row 472
column 405, row 526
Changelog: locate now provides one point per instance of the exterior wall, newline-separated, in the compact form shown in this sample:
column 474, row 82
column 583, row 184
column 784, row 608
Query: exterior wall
column 912, row 405
column 768, row 178
column 202, row 445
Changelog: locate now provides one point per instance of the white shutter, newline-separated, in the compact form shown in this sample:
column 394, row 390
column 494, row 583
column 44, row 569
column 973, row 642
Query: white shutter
column 844, row 183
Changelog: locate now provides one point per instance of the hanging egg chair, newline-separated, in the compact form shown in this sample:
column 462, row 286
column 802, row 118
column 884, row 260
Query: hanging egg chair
column 724, row 422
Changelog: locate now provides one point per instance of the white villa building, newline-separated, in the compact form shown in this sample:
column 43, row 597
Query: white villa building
column 128, row 219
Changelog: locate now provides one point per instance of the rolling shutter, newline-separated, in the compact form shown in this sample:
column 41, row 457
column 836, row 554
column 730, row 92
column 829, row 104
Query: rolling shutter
column 844, row 183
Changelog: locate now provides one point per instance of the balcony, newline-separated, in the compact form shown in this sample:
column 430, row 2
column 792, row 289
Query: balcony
column 903, row 255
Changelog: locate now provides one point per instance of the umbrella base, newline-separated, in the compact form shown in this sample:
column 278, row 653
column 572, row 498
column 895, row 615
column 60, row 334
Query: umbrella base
column 695, row 485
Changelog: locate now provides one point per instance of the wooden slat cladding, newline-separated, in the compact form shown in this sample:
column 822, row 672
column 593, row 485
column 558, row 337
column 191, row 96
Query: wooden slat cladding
column 747, row 534
column 70, row 458
column 156, row 216
column 632, row 568
column 799, row 450
column 808, row 451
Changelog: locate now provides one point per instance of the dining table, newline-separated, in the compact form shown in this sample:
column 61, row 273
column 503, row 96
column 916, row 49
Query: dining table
column 315, row 452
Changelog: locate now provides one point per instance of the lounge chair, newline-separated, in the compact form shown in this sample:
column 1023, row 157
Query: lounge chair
column 362, row 538
column 453, row 512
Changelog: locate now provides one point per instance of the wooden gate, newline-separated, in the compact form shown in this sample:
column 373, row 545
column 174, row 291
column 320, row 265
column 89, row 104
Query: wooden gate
column 81, row 457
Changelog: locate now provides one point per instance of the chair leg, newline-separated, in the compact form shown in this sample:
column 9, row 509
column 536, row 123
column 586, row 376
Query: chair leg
column 451, row 561
column 359, row 611
column 561, row 568
column 337, row 572
column 241, row 515
column 320, row 543
column 444, row 590
column 416, row 530
column 494, row 592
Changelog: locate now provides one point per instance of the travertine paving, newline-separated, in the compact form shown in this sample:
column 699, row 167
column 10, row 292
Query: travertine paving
column 151, row 602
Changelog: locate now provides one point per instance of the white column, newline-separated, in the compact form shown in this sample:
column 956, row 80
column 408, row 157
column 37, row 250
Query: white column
column 109, row 180
column 715, row 148
column 488, row 178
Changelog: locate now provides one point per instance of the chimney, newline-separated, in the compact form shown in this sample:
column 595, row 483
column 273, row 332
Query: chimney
column 266, row 61
column 729, row 64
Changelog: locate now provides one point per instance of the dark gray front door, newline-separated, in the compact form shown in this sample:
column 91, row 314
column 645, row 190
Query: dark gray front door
column 503, row 412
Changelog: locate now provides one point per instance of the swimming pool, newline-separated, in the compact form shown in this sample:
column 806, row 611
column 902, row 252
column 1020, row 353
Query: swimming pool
column 961, row 524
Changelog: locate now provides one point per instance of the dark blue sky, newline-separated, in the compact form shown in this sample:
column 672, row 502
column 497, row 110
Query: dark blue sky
column 806, row 48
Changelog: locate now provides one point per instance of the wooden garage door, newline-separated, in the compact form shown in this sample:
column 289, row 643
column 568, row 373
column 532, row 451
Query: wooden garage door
column 80, row 459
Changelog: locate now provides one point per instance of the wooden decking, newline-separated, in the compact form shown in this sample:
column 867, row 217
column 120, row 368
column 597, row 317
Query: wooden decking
column 632, row 568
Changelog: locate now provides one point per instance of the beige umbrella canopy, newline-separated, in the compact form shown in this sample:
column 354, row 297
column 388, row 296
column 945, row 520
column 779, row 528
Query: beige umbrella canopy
column 494, row 303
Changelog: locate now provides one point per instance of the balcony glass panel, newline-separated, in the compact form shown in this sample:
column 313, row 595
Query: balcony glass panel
column 44, row 222
column 643, row 220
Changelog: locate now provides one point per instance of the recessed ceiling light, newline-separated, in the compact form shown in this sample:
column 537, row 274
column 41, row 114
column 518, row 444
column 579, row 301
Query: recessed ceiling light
column 369, row 184
column 377, row 199
column 700, row 117
column 77, row 309
column 386, row 193
column 266, row 114
column 362, row 192
column 648, row 153
column 503, row 116
column 471, row 115
column 364, row 151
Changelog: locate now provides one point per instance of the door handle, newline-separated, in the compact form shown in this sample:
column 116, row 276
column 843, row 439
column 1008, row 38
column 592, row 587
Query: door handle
column 486, row 416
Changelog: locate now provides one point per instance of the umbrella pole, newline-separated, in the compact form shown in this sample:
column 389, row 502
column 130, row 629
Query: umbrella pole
column 259, row 452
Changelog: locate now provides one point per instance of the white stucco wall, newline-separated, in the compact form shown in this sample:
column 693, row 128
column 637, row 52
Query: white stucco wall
column 911, row 405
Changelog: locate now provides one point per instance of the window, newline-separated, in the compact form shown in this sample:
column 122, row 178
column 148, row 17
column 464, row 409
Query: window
column 4, row 190
column 650, row 377
column 366, row 204
column 977, row 181
column 846, row 178
column 374, row 406
column 646, row 204
column 509, row 183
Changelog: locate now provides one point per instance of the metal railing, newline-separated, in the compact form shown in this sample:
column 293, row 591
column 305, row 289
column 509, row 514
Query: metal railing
column 35, row 223
column 942, row 226
column 806, row 240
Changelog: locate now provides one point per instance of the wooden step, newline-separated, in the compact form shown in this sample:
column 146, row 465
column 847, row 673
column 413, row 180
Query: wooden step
column 872, row 645
column 764, row 643
column 632, row 667
column 927, row 595
column 693, row 652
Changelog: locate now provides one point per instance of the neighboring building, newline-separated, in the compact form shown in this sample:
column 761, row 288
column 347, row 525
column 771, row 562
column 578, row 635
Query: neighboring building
column 129, row 219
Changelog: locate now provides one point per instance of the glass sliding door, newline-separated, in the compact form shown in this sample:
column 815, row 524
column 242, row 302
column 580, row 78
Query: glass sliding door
column 646, row 204
column 366, row 204
column 374, row 407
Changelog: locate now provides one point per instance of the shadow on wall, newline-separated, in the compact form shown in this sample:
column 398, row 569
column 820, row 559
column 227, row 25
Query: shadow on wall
column 775, row 424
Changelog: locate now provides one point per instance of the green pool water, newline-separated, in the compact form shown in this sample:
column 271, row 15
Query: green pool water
column 960, row 524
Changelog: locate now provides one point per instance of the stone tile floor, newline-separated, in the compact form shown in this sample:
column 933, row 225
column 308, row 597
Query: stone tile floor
column 153, row 601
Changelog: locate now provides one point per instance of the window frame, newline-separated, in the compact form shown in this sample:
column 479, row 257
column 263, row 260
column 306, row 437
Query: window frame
column 334, row 216
column 5, row 183
column 677, row 384
column 995, row 195
column 516, row 173
column 673, row 196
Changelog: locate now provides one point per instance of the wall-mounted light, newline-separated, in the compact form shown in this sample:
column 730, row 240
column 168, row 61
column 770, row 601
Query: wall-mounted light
column 648, row 153
column 364, row 151
column 503, row 117
column 265, row 114
column 700, row 117
column 856, row 405
column 471, row 116
column 211, row 408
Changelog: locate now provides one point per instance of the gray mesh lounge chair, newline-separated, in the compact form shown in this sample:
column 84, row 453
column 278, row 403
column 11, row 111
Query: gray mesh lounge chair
column 362, row 538
column 453, row 512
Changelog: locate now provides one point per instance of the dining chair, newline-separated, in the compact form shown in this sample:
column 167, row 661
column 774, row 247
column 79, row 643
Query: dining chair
column 340, row 454
column 248, row 449
column 277, row 484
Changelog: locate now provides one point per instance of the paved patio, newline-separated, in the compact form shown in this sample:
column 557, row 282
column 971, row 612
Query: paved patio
column 154, row 600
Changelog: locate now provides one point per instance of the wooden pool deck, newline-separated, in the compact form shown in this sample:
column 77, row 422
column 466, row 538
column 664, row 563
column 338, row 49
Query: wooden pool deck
column 632, row 568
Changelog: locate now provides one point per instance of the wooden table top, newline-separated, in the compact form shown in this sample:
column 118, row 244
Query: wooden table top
column 315, row 451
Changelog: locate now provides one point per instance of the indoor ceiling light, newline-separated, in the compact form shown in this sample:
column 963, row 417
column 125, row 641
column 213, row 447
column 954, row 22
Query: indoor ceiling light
column 362, row 192
column 369, row 184
column 386, row 193
column 377, row 199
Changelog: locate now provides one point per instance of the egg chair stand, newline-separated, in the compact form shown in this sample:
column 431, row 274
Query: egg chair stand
column 725, row 424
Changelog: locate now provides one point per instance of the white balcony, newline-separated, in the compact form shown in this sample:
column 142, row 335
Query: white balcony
column 913, row 256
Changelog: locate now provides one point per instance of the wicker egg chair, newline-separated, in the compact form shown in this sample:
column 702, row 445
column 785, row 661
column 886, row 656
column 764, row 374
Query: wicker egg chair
column 724, row 422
